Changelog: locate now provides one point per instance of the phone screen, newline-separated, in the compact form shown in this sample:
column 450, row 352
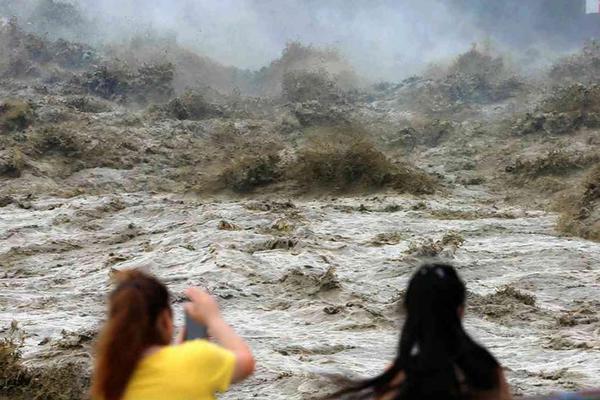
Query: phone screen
column 193, row 330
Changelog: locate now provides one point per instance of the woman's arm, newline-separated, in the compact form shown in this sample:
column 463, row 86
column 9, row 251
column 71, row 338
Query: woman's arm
column 205, row 310
column 226, row 336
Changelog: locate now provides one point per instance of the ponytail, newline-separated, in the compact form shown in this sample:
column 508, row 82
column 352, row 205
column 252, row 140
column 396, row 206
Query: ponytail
column 433, row 346
column 131, row 328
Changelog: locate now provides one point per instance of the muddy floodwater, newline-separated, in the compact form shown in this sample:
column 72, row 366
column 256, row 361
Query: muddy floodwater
column 313, row 284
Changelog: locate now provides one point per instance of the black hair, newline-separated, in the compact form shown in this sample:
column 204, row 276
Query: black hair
column 438, row 358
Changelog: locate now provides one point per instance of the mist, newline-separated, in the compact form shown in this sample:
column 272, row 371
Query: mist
column 382, row 39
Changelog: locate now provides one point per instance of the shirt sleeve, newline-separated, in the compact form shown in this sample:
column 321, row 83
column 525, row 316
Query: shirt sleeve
column 216, row 364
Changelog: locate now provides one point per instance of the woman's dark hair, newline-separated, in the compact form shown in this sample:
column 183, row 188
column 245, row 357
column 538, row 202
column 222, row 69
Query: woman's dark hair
column 438, row 358
column 134, row 309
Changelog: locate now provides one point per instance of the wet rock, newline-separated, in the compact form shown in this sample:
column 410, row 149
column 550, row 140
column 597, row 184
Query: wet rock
column 6, row 200
column 25, row 204
column 421, row 205
column 227, row 226
column 392, row 208
column 363, row 208
column 332, row 310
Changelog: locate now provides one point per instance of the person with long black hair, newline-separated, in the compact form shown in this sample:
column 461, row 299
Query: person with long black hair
column 436, row 358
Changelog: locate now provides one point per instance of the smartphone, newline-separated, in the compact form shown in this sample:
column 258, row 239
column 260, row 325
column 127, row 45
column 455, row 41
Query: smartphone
column 194, row 330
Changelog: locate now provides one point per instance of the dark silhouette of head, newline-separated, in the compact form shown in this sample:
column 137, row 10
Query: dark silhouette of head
column 139, row 317
column 436, row 356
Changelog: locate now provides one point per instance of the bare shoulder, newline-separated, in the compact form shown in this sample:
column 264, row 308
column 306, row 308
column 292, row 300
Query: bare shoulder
column 502, row 392
column 398, row 380
column 400, row 377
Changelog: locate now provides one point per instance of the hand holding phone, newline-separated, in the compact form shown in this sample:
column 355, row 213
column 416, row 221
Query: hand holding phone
column 200, row 312
column 194, row 330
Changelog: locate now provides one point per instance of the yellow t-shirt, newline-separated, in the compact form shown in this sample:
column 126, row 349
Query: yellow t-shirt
column 193, row 370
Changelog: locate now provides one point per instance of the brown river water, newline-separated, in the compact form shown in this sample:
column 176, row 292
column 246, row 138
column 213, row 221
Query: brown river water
column 313, row 284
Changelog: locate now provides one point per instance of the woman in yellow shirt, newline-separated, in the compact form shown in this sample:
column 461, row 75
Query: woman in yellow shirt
column 135, row 360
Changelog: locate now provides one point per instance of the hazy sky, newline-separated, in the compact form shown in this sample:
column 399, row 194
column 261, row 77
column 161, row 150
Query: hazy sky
column 380, row 37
